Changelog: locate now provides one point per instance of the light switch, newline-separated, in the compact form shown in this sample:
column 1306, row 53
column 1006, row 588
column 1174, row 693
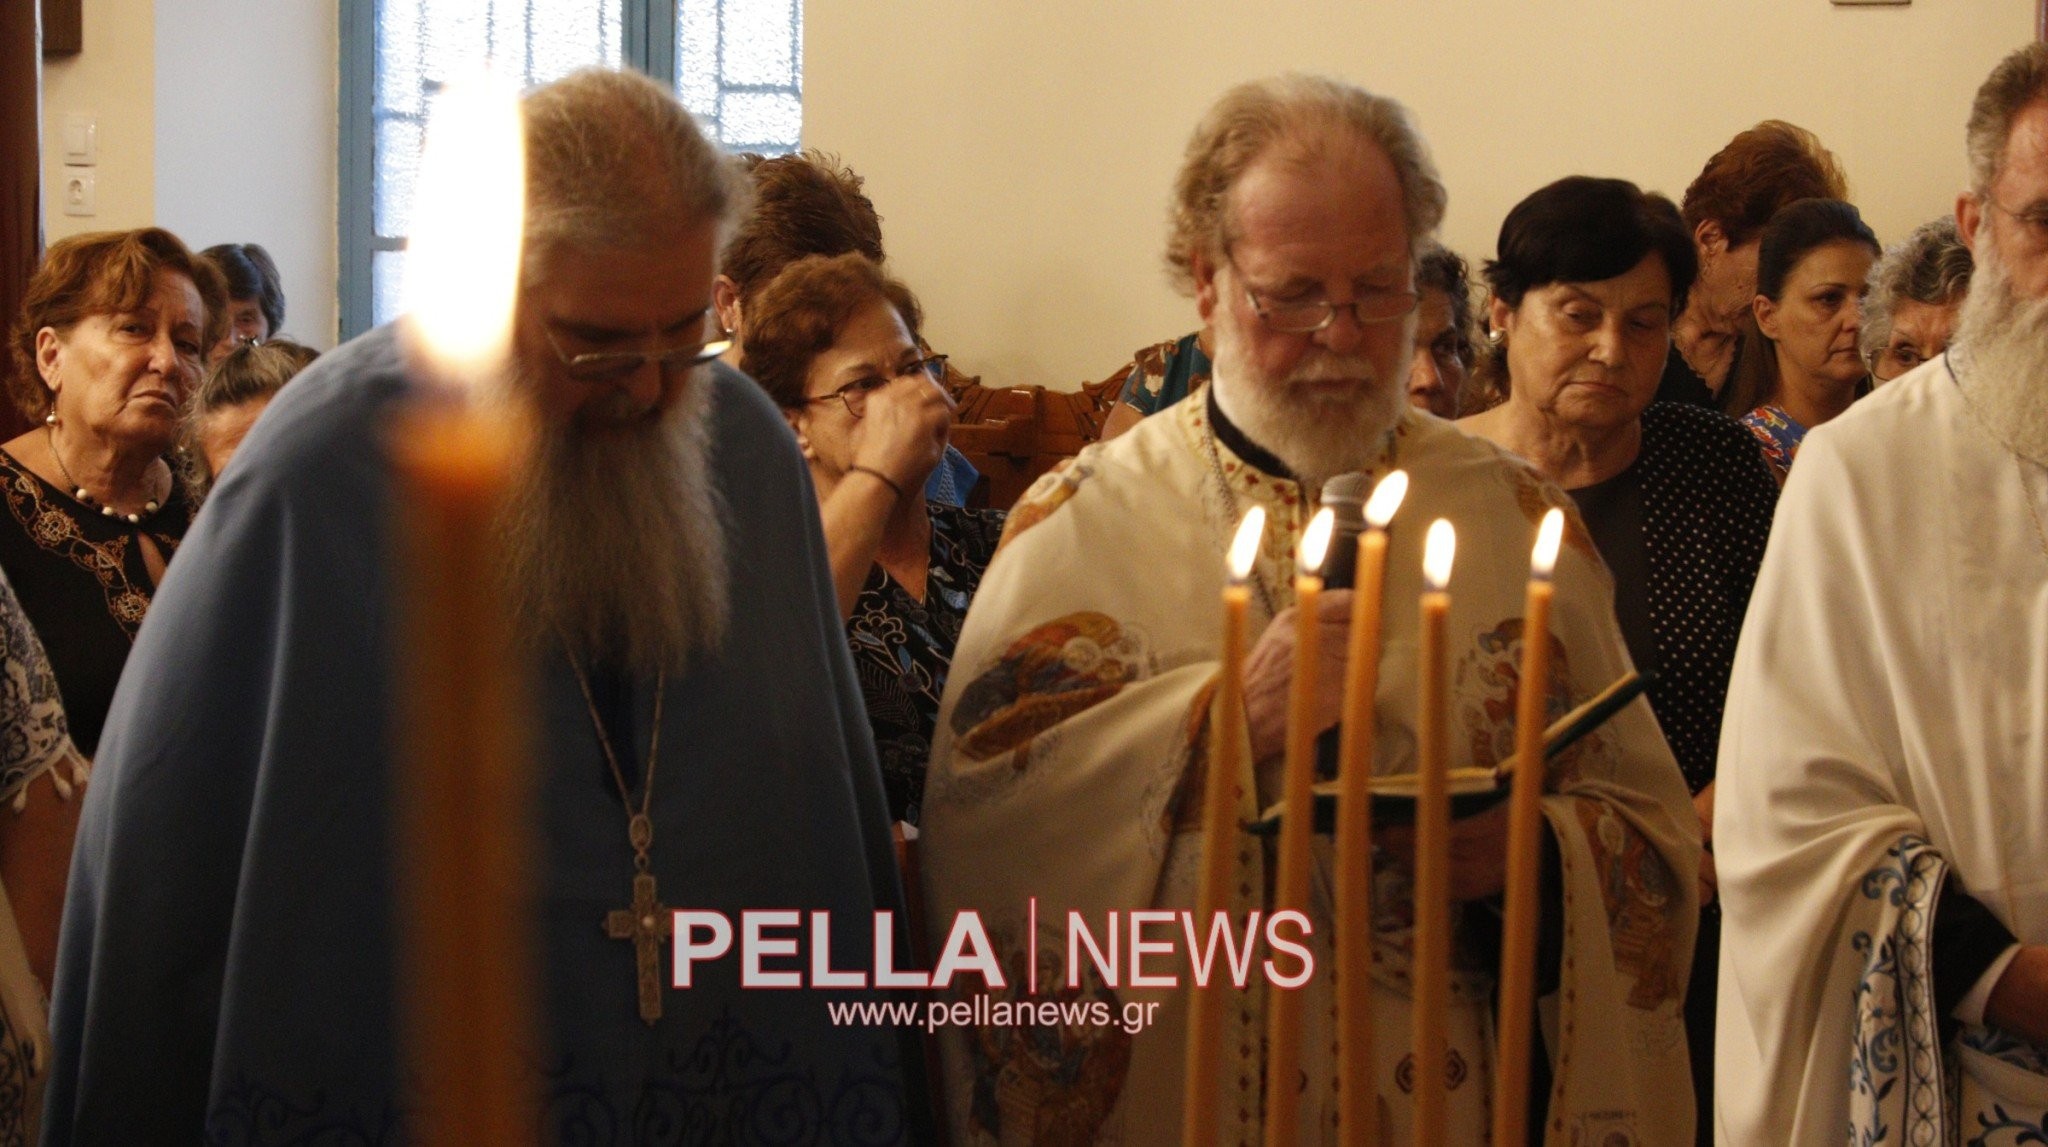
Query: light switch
column 80, row 196
column 81, row 137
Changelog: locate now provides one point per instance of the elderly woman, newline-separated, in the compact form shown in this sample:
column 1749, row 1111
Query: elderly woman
column 237, row 389
column 1802, row 361
column 1916, row 292
column 109, row 343
column 834, row 342
column 1677, row 498
column 255, row 308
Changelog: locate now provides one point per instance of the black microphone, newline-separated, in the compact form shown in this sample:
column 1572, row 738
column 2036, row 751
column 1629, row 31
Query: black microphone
column 1344, row 496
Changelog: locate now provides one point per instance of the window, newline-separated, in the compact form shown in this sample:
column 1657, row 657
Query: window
column 737, row 64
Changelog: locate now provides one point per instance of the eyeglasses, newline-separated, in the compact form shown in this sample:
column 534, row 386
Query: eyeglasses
column 855, row 394
column 1888, row 363
column 611, row 366
column 1308, row 317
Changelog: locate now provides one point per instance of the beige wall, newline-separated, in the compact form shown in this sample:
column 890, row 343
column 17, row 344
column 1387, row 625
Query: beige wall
column 245, row 139
column 217, row 121
column 1021, row 151
column 115, row 79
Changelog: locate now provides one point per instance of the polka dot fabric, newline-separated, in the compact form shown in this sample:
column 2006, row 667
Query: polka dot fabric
column 1708, row 497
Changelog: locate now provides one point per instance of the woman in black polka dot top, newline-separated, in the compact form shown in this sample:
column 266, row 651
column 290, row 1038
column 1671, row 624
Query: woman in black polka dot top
column 1678, row 498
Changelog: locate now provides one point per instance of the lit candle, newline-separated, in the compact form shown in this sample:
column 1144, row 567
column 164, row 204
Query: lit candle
column 1432, row 961
column 463, row 802
column 1525, row 823
column 1357, row 1094
column 1290, row 887
column 1219, row 834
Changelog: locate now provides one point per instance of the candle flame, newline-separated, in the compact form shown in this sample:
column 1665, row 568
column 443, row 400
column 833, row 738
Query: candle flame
column 1244, row 549
column 1437, row 553
column 1315, row 541
column 1548, row 536
column 462, row 264
column 1386, row 499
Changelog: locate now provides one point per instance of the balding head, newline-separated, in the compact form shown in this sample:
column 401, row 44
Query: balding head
column 613, row 160
column 1305, row 120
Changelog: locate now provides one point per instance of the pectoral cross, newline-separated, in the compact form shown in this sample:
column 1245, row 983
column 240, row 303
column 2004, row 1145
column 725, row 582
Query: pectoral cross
column 647, row 924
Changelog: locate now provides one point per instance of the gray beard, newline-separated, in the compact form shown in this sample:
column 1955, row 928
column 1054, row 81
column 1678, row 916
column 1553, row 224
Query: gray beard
column 616, row 541
column 1317, row 439
column 2000, row 358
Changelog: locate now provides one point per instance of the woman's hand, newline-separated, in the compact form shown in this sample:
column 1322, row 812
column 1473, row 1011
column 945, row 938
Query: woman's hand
column 903, row 430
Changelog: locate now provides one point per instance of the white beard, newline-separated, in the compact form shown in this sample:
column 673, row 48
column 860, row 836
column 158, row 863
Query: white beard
column 2001, row 357
column 1318, row 438
column 616, row 541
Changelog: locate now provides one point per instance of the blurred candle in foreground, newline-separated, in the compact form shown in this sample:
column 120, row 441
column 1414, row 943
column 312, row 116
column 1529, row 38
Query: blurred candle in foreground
column 1297, row 826
column 1432, row 961
column 1525, row 824
column 1219, row 835
column 1357, row 1094
column 463, row 782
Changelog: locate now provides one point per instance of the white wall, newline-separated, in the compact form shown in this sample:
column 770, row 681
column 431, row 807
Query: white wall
column 1021, row 151
column 216, row 120
column 245, row 139
column 114, row 79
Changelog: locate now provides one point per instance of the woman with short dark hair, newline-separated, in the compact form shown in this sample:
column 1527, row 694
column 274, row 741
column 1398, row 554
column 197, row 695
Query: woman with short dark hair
column 255, row 295
column 834, row 341
column 1677, row 498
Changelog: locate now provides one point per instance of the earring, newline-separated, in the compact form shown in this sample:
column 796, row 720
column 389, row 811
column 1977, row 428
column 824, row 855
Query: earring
column 1496, row 336
column 50, row 419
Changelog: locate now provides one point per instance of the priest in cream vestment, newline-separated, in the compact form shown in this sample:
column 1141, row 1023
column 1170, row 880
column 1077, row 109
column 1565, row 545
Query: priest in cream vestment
column 1882, row 820
column 1069, row 760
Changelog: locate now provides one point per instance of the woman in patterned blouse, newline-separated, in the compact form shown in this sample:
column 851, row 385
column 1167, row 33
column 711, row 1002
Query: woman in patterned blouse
column 1677, row 498
column 834, row 342
column 1803, row 362
column 109, row 344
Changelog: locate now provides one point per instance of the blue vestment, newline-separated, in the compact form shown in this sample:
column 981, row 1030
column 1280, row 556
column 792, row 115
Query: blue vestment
column 227, row 968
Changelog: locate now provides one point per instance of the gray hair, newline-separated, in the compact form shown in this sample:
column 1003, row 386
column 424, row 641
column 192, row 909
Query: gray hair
column 1930, row 266
column 613, row 159
column 1305, row 113
column 2018, row 80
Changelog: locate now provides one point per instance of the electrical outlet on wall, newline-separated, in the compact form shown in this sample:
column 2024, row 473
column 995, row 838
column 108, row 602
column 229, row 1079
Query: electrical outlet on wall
column 79, row 193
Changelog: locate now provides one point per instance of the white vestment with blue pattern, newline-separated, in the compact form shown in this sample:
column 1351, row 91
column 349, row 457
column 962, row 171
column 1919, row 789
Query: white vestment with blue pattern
column 1886, row 731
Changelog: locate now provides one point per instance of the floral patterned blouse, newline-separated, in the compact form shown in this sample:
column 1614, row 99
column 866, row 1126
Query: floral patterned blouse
column 1778, row 434
column 83, row 584
column 902, row 647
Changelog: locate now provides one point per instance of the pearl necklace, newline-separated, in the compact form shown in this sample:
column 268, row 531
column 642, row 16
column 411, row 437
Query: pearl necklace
column 85, row 497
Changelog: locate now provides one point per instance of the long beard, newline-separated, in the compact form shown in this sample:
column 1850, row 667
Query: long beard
column 617, row 540
column 2001, row 357
column 1317, row 437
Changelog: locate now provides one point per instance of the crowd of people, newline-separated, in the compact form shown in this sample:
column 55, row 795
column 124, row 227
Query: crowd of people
column 1787, row 893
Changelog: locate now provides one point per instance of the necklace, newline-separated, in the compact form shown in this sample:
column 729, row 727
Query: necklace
column 647, row 923
column 79, row 492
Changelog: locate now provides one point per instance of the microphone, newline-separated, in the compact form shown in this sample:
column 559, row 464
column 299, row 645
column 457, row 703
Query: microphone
column 1344, row 495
